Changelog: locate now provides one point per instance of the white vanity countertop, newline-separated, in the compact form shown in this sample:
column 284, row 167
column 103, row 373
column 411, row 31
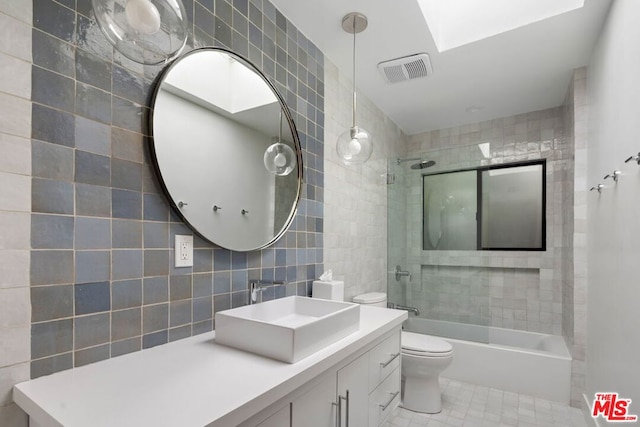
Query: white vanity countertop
column 191, row 382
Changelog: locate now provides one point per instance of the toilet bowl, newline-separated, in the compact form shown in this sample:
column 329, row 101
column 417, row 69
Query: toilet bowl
column 423, row 359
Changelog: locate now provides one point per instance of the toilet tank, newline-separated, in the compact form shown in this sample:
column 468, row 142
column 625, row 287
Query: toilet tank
column 373, row 299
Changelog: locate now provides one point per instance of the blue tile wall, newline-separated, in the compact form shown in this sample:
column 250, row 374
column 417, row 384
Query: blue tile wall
column 102, row 279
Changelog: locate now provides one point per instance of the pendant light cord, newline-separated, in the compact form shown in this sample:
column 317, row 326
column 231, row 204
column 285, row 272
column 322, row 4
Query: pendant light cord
column 354, row 72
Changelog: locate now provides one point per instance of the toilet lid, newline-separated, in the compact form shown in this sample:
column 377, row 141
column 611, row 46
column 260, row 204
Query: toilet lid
column 370, row 298
column 424, row 344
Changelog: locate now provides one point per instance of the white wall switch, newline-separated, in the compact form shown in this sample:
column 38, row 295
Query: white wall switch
column 184, row 251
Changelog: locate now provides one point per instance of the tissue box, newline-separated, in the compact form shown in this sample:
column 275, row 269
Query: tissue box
column 328, row 289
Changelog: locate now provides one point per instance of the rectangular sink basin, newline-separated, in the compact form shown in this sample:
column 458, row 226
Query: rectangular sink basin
column 287, row 329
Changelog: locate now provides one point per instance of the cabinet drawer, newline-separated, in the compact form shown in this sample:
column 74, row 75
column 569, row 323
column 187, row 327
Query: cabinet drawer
column 383, row 359
column 384, row 399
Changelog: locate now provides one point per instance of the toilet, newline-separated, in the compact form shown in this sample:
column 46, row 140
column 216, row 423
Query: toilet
column 424, row 357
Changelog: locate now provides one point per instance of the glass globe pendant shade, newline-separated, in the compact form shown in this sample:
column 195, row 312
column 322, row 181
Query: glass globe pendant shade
column 280, row 159
column 145, row 31
column 354, row 146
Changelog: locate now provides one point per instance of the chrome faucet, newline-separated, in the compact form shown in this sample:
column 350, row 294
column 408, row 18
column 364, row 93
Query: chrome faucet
column 413, row 310
column 256, row 288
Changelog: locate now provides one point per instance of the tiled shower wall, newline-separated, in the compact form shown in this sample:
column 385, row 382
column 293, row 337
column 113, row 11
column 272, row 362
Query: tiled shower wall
column 356, row 196
column 511, row 289
column 102, row 280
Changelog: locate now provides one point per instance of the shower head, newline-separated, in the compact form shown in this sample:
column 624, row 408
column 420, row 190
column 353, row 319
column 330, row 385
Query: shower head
column 423, row 164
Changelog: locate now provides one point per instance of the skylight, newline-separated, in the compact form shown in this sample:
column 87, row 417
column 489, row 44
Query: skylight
column 455, row 23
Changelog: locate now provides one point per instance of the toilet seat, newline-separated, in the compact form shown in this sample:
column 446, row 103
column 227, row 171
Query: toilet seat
column 425, row 345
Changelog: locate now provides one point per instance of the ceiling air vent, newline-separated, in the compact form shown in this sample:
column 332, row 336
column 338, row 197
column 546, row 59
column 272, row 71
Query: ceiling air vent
column 406, row 68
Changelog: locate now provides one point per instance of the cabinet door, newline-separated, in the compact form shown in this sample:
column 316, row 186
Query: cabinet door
column 315, row 408
column 354, row 379
column 282, row 418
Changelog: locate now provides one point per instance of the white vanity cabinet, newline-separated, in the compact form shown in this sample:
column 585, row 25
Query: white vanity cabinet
column 358, row 392
column 197, row 382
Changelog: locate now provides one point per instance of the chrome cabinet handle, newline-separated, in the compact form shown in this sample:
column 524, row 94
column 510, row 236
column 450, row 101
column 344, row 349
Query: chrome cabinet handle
column 386, row 405
column 393, row 357
column 339, row 414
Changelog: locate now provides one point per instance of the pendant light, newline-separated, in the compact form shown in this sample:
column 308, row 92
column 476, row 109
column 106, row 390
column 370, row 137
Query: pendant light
column 354, row 145
column 145, row 31
column 279, row 158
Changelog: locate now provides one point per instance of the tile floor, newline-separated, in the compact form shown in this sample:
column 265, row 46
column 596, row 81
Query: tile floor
column 470, row 405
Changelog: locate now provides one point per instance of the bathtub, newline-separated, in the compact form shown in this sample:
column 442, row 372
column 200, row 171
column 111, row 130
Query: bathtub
column 518, row 361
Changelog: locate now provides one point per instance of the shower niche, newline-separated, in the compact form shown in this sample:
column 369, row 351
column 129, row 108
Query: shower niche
column 501, row 207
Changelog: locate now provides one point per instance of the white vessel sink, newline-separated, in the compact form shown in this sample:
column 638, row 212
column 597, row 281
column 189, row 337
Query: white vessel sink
column 287, row 329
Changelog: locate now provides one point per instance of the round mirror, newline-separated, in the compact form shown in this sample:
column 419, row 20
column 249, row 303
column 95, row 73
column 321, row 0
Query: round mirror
column 214, row 118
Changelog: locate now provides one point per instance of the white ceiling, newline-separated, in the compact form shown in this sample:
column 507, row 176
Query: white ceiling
column 522, row 70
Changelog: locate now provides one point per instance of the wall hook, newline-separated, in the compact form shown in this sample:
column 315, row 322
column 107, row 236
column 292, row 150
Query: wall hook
column 615, row 175
column 182, row 204
column 598, row 188
column 636, row 158
column 216, row 208
column 244, row 212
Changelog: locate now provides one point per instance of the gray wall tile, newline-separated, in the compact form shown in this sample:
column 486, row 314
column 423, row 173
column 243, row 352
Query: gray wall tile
column 53, row 126
column 156, row 262
column 51, row 196
column 202, row 285
column 126, row 294
column 91, row 355
column 51, row 267
column 155, row 318
column 155, row 290
column 91, row 330
column 93, row 136
column 50, row 365
column 126, row 324
column 50, row 338
column 126, row 204
column 118, row 348
column 202, row 309
column 53, row 54
column 126, row 264
column 156, row 208
column 179, row 287
column 93, row 103
column 54, row 19
column 127, row 234
column 179, row 333
column 93, row 70
column 156, row 235
column 92, row 298
column 92, row 200
column 52, row 232
column 154, row 339
column 93, row 233
column 51, row 161
column 180, row 313
column 93, row 266
column 51, row 89
column 92, row 168
column 126, row 175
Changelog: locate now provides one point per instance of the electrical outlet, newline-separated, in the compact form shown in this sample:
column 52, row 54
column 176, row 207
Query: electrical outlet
column 184, row 251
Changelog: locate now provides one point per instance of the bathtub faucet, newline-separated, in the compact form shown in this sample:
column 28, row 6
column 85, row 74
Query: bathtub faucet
column 402, row 307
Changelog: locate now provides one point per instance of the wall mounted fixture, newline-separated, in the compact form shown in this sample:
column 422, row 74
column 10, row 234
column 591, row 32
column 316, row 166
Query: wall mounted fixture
column 598, row 188
column 614, row 175
column 279, row 158
column 146, row 31
column 635, row 158
column 355, row 145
